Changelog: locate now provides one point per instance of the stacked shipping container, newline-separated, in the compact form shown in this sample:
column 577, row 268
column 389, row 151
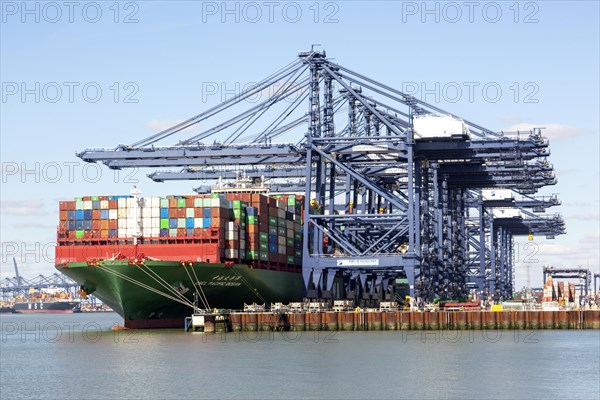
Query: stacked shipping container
column 250, row 226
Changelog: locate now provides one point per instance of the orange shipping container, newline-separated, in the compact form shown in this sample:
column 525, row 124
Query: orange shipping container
column 104, row 224
column 96, row 224
column 64, row 215
column 95, row 214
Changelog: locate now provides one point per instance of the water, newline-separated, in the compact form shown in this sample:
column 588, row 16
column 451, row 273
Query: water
column 78, row 356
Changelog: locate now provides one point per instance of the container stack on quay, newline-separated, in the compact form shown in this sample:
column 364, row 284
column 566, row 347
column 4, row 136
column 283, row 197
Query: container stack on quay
column 250, row 226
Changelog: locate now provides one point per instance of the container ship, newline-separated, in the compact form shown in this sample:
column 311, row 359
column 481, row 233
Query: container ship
column 46, row 301
column 154, row 259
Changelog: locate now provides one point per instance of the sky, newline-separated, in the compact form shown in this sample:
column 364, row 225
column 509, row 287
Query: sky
column 97, row 74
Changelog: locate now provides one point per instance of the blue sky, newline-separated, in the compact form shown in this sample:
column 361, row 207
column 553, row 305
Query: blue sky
column 544, row 57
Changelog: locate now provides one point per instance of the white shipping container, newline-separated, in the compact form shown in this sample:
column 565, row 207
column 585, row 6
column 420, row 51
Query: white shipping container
column 433, row 126
column 146, row 212
column 155, row 232
column 281, row 240
column 215, row 202
column 231, row 253
column 155, row 223
column 113, row 214
column 122, row 213
column 231, row 235
column 104, row 204
column 147, row 222
column 122, row 224
column 122, row 232
column 122, row 202
column 281, row 249
column 87, row 205
column 231, row 226
column 155, row 212
column 147, row 232
column 497, row 194
column 155, row 202
column 198, row 222
column 131, row 202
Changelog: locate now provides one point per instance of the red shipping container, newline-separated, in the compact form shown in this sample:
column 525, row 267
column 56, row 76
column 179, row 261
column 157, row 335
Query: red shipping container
column 181, row 213
column 63, row 215
column 215, row 222
column 172, row 212
column 96, row 234
column 62, row 206
column 86, row 198
column 113, row 204
column 96, row 224
column 199, row 232
column 215, row 212
column 95, row 214
column 198, row 213
column 189, row 202
column 113, row 224
column 63, row 225
column 181, row 232
column 87, row 234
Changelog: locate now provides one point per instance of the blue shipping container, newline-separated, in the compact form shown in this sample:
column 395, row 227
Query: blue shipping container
column 87, row 225
column 113, row 233
column 71, row 225
column 103, row 214
column 189, row 232
column 87, row 214
column 273, row 239
column 79, row 215
column 206, row 221
column 173, row 223
column 95, row 205
column 273, row 248
column 189, row 224
column 79, row 225
column 164, row 213
column 206, row 213
column 71, row 215
column 164, row 232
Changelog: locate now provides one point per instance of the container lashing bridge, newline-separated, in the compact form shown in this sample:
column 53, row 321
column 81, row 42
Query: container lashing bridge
column 394, row 186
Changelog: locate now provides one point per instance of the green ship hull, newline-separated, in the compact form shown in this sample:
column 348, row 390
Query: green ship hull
column 160, row 294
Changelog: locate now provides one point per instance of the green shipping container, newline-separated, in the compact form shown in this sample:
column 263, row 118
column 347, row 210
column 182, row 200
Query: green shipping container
column 164, row 203
column 290, row 259
column 79, row 205
column 180, row 203
column 236, row 213
column 173, row 232
column 95, row 198
column 281, row 222
column 164, row 223
column 264, row 236
column 264, row 246
column 236, row 204
column 290, row 242
column 273, row 221
column 79, row 234
column 78, row 198
column 252, row 220
column 291, row 201
column 252, row 254
column 263, row 256
column 214, row 195
column 297, row 236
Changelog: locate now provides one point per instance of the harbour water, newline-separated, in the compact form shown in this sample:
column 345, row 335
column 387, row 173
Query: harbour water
column 79, row 356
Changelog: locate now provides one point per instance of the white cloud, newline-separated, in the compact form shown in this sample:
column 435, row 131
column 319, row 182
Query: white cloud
column 33, row 207
column 552, row 131
column 162, row 124
column 28, row 225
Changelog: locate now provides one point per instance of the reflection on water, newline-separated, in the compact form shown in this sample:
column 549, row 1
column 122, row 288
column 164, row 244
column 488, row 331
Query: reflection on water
column 79, row 356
